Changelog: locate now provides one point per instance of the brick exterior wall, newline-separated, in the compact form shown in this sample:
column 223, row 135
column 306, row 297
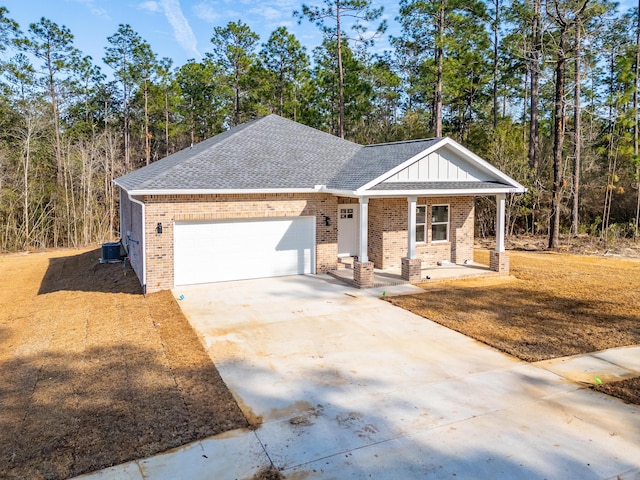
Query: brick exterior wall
column 388, row 226
column 167, row 209
column 387, row 231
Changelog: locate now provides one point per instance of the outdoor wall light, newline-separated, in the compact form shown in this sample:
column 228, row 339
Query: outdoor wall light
column 327, row 221
column 159, row 228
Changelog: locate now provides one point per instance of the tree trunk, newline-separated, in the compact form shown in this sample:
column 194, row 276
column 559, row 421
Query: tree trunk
column 281, row 88
column 558, row 140
column 341, row 128
column 635, row 126
column 534, row 67
column 525, row 102
column 56, row 120
column 496, row 24
column 166, row 121
column 125, row 114
column 26, row 164
column 147, row 143
column 577, row 132
column 437, row 110
column 236, row 101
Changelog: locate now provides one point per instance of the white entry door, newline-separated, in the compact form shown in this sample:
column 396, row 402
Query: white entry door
column 206, row 252
column 348, row 230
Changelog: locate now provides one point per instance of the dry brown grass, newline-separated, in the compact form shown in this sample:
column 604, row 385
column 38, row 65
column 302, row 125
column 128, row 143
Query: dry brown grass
column 553, row 305
column 92, row 373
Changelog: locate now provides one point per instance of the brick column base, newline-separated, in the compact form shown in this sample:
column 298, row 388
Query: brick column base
column 412, row 269
column 499, row 262
column 363, row 274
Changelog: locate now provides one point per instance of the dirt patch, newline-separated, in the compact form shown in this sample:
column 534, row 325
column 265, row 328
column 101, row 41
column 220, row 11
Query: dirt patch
column 92, row 373
column 577, row 244
column 269, row 473
column 554, row 305
column 627, row 390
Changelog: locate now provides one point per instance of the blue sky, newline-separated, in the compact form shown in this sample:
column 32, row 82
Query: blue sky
column 179, row 29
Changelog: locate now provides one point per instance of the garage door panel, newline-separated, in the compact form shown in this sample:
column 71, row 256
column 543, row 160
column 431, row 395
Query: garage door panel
column 233, row 250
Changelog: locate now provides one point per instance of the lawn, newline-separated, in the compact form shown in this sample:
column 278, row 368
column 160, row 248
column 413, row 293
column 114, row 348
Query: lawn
column 93, row 373
column 553, row 305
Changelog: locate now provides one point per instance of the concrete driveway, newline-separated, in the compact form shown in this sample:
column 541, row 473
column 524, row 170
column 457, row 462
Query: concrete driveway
column 345, row 385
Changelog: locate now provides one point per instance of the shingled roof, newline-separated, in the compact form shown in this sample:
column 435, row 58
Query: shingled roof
column 269, row 153
column 272, row 153
column 374, row 160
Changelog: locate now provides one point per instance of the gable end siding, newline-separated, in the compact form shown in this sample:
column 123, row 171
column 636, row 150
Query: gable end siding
column 443, row 165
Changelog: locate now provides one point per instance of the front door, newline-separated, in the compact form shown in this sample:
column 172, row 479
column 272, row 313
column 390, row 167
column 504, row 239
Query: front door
column 348, row 230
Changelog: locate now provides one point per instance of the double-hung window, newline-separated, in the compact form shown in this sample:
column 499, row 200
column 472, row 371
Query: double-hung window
column 421, row 224
column 440, row 223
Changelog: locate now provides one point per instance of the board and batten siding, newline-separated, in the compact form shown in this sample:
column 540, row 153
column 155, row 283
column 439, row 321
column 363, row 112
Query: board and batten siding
column 443, row 165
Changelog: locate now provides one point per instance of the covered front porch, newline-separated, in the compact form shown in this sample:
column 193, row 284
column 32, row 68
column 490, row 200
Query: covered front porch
column 389, row 277
column 431, row 240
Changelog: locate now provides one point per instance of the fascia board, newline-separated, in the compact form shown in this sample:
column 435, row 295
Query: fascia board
column 209, row 191
column 440, row 192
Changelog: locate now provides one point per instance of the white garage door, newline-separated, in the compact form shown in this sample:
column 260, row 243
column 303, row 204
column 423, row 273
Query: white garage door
column 239, row 249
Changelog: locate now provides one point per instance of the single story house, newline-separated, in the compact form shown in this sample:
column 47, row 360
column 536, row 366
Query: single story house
column 273, row 197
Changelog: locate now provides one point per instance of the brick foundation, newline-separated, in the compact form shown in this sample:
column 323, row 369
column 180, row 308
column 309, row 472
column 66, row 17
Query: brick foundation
column 363, row 274
column 499, row 262
column 411, row 269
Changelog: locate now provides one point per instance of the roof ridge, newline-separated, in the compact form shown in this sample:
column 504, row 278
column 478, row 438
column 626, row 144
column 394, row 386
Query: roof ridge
column 405, row 141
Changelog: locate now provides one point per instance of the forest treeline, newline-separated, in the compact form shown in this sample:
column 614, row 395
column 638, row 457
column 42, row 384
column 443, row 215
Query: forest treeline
column 547, row 91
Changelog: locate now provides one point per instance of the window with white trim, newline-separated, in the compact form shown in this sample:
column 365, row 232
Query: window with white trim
column 440, row 223
column 421, row 224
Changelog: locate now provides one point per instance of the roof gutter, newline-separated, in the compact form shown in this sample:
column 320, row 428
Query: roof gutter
column 212, row 191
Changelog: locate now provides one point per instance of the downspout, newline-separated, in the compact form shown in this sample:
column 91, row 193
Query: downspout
column 144, row 245
column 123, row 234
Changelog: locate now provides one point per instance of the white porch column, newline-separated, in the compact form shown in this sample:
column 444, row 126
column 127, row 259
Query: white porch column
column 363, row 239
column 500, row 221
column 411, row 230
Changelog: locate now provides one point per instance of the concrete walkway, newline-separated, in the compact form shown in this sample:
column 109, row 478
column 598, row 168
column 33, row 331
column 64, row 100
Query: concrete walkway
column 344, row 385
column 597, row 367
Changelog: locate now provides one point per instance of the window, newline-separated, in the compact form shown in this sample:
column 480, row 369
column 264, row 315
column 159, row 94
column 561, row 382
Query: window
column 421, row 224
column 440, row 223
column 346, row 213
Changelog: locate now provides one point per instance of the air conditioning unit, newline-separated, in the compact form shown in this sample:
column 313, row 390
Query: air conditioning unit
column 110, row 252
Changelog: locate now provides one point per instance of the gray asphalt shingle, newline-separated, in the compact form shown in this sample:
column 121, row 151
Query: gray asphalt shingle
column 271, row 152
column 374, row 160
column 275, row 153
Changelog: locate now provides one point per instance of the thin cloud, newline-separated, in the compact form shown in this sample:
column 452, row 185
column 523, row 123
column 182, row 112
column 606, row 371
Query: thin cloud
column 94, row 9
column 267, row 12
column 150, row 6
column 204, row 11
column 181, row 28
